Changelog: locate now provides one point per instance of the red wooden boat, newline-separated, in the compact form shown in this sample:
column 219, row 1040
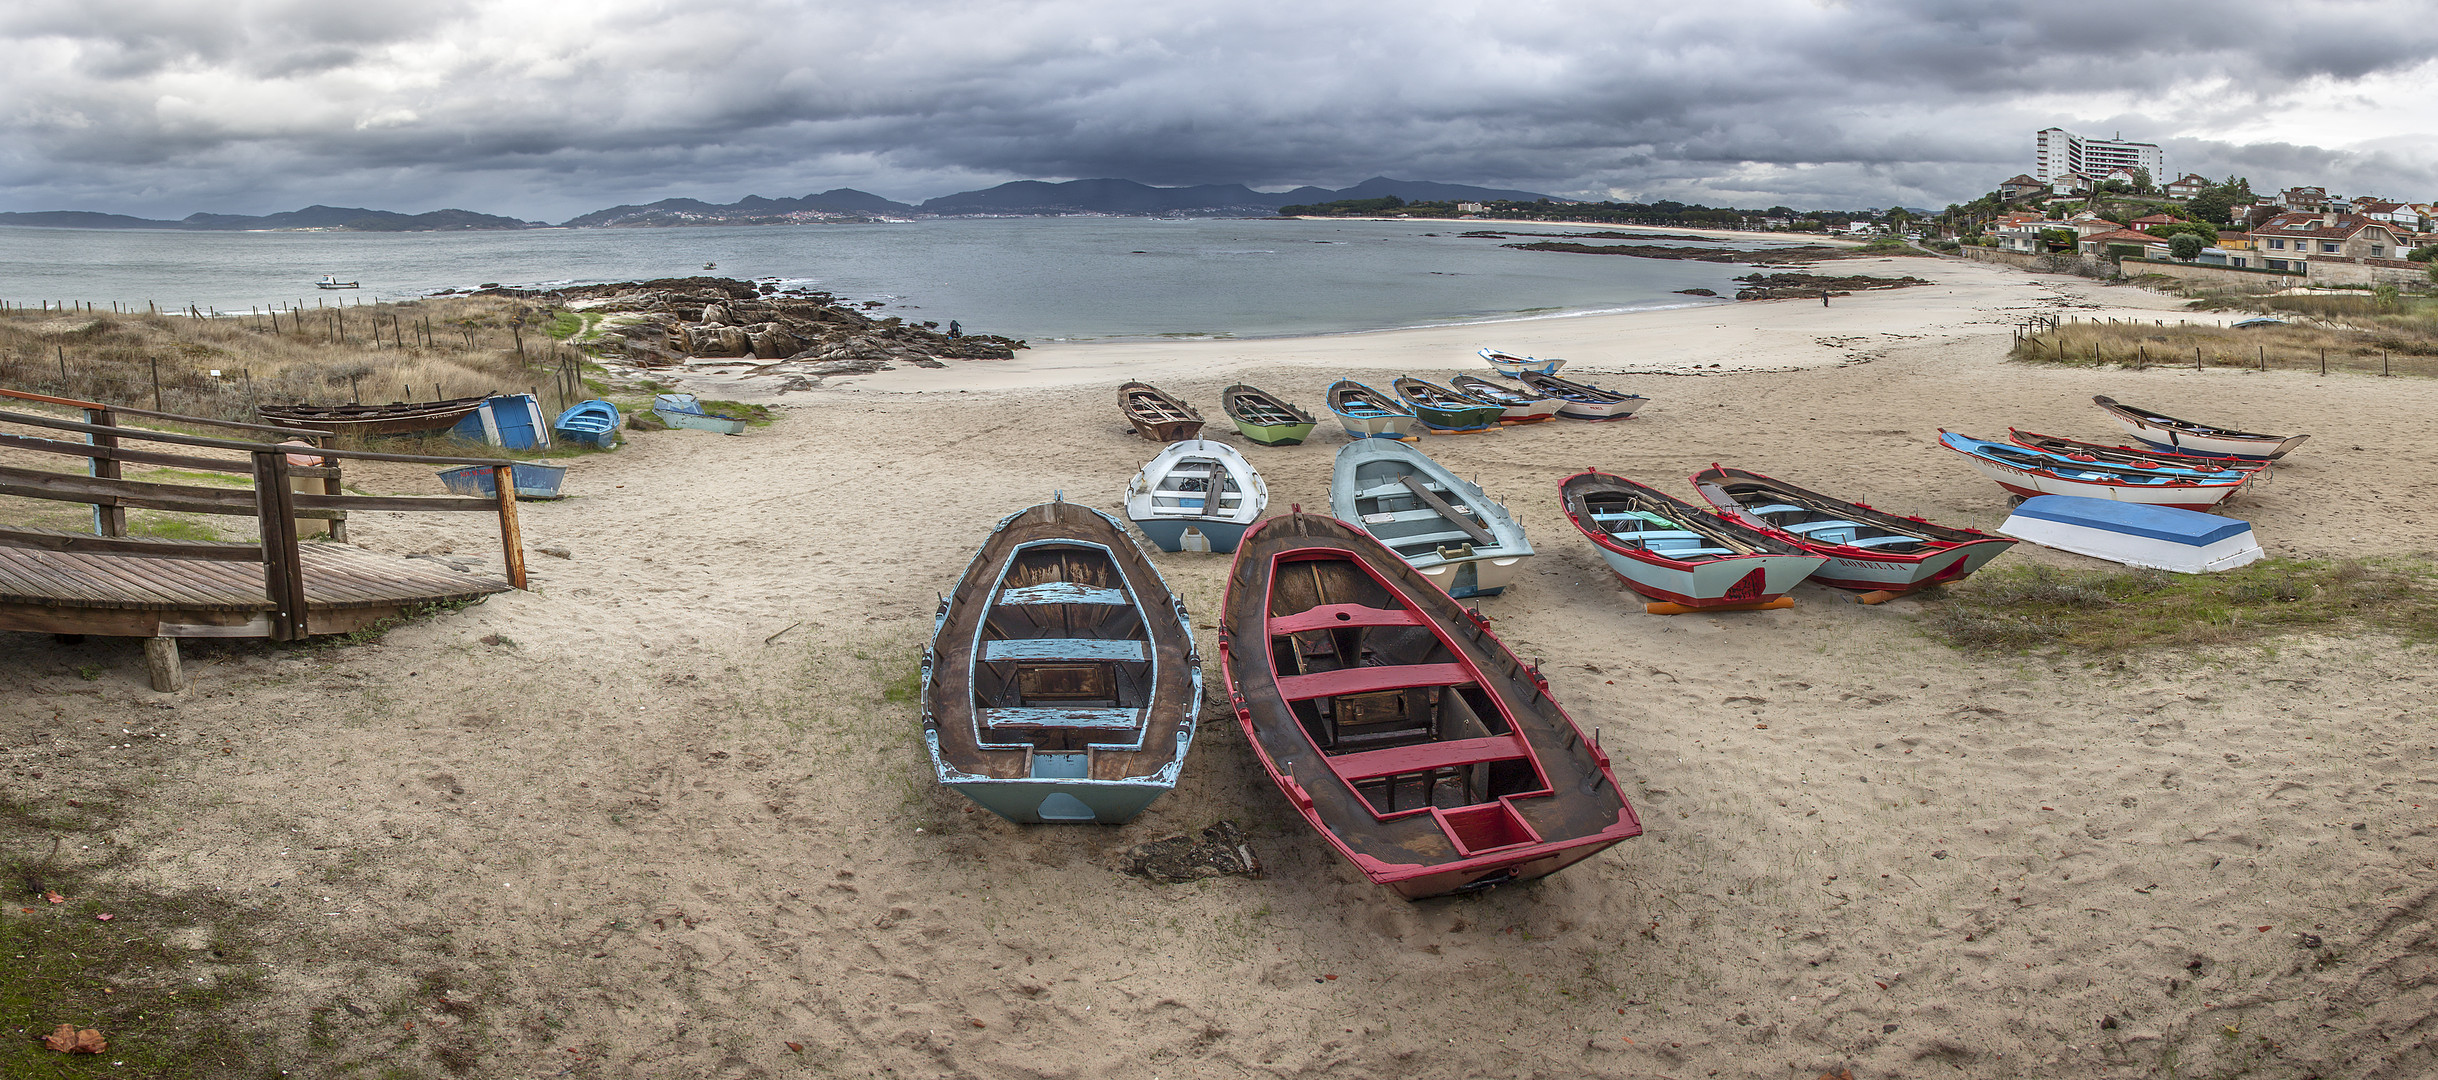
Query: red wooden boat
column 1398, row 726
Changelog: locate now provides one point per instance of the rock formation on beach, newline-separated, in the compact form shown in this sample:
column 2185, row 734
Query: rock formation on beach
column 731, row 327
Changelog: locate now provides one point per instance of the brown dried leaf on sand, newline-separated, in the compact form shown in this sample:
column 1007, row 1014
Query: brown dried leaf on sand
column 68, row 1040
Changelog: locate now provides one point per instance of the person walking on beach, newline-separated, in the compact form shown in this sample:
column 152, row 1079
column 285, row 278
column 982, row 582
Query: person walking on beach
column 954, row 330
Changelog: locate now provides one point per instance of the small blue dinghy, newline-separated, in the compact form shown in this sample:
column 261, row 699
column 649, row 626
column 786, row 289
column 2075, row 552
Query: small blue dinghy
column 2158, row 537
column 533, row 480
column 589, row 423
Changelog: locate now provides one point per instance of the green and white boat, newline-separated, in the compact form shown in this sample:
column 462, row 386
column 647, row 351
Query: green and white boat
column 1265, row 417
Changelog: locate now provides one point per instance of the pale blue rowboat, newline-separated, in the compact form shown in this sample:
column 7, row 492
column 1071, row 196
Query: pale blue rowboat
column 1196, row 495
column 684, row 411
column 589, row 423
column 1444, row 527
column 1062, row 683
column 1511, row 365
column 1369, row 414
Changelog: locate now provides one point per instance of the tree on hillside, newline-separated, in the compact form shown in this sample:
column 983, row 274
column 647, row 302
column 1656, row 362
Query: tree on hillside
column 2185, row 247
column 2142, row 184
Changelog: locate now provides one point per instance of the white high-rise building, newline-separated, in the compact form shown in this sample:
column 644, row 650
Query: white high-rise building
column 2062, row 151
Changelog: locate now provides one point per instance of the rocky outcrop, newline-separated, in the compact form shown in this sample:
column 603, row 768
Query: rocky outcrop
column 798, row 337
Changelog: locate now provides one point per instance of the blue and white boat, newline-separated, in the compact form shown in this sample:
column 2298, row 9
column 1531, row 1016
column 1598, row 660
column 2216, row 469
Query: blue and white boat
column 1511, row 365
column 686, row 411
column 1062, row 683
column 589, row 423
column 2158, row 537
column 1369, row 414
column 1442, row 526
column 1196, row 495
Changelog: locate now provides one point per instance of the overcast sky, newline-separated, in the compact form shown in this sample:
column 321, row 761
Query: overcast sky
column 545, row 109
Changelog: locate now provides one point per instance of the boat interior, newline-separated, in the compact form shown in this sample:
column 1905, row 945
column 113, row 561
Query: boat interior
column 1065, row 661
column 1357, row 400
column 1416, row 516
column 1495, row 394
column 1391, row 707
column 1261, row 411
column 1820, row 523
column 2098, row 471
column 1655, row 526
column 1155, row 406
column 1197, row 486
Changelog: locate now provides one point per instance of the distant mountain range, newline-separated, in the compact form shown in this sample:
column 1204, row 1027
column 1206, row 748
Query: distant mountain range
column 311, row 217
column 1016, row 198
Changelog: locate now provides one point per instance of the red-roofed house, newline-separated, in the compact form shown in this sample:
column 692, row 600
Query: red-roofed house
column 2097, row 244
column 2187, row 186
column 2148, row 222
column 2336, row 248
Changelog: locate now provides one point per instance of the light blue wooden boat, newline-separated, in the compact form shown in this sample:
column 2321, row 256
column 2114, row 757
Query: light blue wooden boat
column 684, row 411
column 1062, row 683
column 589, row 423
column 1442, row 526
column 533, row 480
column 1196, row 495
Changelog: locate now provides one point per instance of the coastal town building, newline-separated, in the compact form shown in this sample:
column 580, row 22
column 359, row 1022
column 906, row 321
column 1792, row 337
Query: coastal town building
column 2187, row 186
column 2302, row 198
column 2020, row 186
column 2061, row 151
column 2073, row 182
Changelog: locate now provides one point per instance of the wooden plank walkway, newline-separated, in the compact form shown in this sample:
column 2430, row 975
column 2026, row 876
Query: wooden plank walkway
column 124, row 594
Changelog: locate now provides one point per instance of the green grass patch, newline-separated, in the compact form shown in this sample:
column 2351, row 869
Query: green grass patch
column 162, row 526
column 166, row 1006
column 2041, row 609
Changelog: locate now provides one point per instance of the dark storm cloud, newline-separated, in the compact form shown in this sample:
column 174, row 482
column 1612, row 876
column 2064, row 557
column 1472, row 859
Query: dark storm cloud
column 549, row 109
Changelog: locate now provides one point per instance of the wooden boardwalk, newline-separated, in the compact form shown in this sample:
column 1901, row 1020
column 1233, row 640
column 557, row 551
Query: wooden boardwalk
column 92, row 585
column 284, row 588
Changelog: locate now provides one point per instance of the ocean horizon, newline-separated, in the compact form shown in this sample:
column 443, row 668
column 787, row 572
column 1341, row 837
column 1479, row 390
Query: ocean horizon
column 1040, row 279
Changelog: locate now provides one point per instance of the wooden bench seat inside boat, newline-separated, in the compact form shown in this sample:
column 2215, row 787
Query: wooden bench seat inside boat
column 1085, row 719
column 1061, row 592
column 1065, row 648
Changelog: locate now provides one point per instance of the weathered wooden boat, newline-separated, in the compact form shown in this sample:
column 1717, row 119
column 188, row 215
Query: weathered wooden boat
column 2187, row 437
column 1196, row 495
column 686, row 411
column 1444, row 410
column 2141, row 457
column 1684, row 558
column 1156, row 415
column 1445, row 528
column 1369, row 414
column 395, row 418
column 331, row 281
column 2158, row 537
column 1583, row 401
column 1511, row 365
column 2028, row 472
column 1517, row 404
column 530, row 480
column 1062, row 683
column 589, row 423
column 1265, row 417
column 1401, row 729
column 1879, row 553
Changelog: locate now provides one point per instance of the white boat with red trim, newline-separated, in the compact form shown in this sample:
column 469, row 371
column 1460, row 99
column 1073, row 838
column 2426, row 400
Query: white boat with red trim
column 1670, row 551
column 2028, row 472
column 1868, row 550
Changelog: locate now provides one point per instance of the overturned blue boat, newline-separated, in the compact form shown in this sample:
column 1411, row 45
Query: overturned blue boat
column 1062, row 683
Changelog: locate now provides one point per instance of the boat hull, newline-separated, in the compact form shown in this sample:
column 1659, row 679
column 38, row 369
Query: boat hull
column 1715, row 583
column 1172, row 534
column 700, row 422
column 1488, row 838
column 1488, row 575
column 2029, row 484
column 1460, row 565
column 407, row 418
column 2155, row 537
column 2178, row 437
column 1275, row 434
column 1511, row 365
column 1610, row 410
column 1949, row 553
column 1380, row 427
column 531, row 480
column 1054, row 802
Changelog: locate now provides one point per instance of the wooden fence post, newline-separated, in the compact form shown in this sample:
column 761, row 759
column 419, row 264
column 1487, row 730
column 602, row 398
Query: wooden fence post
column 512, row 542
column 283, row 569
column 107, row 520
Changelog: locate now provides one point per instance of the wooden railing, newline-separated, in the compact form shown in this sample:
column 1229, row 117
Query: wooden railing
column 272, row 502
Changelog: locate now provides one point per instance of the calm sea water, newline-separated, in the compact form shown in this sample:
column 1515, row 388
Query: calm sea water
column 1035, row 278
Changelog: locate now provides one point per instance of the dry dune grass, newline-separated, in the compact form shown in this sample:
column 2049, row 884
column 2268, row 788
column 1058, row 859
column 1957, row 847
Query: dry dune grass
column 2364, row 334
column 442, row 347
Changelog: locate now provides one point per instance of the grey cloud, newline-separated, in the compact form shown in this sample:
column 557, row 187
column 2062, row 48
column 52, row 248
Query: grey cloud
column 546, row 110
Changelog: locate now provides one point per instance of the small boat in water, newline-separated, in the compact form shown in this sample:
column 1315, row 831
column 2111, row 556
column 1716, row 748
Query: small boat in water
column 1685, row 558
column 1401, row 729
column 1868, row 550
column 1517, row 404
column 2187, row 437
column 1583, row 401
column 1062, row 683
column 1445, row 528
column 331, row 281
column 395, row 418
column 589, row 423
column 1511, row 365
column 1157, row 415
column 2136, row 456
column 1264, row 417
column 1443, row 410
column 2029, row 472
column 686, row 411
column 1196, row 495
column 1369, row 414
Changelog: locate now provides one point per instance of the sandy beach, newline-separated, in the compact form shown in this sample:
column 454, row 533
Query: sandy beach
column 668, row 815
